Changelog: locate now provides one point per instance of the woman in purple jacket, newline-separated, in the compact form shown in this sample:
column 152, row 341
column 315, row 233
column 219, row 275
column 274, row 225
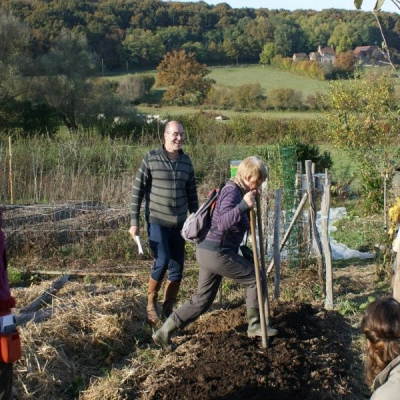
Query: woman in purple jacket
column 218, row 256
column 7, row 302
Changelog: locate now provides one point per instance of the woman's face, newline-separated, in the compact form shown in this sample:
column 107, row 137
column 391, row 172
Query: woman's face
column 253, row 183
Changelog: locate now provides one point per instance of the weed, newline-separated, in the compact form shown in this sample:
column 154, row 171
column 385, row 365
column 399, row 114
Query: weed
column 347, row 307
column 317, row 292
column 15, row 277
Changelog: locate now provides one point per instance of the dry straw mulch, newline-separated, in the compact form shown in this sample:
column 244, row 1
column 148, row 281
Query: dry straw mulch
column 87, row 349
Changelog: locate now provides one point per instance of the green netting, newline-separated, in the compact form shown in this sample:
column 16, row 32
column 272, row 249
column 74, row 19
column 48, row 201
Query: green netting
column 290, row 202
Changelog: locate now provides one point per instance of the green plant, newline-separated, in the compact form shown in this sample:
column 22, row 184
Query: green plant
column 370, row 300
column 317, row 292
column 15, row 277
column 347, row 307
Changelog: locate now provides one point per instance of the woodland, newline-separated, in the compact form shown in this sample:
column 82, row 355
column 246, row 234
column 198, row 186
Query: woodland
column 57, row 58
column 135, row 34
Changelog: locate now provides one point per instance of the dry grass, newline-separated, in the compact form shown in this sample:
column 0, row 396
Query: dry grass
column 82, row 344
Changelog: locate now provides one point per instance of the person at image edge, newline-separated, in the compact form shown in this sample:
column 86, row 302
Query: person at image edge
column 7, row 302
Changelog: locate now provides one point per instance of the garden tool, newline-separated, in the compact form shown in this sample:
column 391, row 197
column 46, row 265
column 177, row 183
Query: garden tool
column 262, row 255
column 260, row 293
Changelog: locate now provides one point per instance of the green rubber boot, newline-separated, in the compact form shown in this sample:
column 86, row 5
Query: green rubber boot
column 254, row 328
column 162, row 337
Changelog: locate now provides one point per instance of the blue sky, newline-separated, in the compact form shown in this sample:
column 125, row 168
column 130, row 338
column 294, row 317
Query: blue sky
column 318, row 5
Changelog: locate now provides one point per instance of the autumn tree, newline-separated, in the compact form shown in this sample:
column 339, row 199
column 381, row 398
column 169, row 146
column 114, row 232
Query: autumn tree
column 184, row 77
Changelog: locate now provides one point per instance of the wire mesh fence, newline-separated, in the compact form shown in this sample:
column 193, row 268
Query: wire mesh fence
column 92, row 229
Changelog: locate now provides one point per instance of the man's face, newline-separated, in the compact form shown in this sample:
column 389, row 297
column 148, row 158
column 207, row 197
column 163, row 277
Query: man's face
column 174, row 137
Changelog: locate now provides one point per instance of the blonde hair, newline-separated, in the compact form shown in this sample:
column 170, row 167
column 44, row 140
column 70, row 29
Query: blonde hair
column 252, row 166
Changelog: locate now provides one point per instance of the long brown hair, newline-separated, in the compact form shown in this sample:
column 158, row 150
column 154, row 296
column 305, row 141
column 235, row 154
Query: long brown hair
column 381, row 326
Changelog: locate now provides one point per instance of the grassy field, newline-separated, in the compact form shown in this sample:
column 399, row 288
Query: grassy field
column 268, row 77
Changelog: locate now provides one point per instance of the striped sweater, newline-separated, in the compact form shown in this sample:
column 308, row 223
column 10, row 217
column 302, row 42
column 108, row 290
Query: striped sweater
column 169, row 189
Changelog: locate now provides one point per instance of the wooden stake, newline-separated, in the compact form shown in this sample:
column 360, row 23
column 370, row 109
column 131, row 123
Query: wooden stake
column 10, row 174
column 326, row 247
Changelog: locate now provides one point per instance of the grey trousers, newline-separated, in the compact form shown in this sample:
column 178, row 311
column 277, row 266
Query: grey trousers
column 6, row 378
column 213, row 265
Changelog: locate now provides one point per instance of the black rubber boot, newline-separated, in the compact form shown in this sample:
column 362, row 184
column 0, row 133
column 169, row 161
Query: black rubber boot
column 162, row 337
column 254, row 328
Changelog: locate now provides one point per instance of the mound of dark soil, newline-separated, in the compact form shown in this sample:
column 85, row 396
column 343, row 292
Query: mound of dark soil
column 214, row 358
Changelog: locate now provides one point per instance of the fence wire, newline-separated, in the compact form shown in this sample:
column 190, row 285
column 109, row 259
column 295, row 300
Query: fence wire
column 64, row 229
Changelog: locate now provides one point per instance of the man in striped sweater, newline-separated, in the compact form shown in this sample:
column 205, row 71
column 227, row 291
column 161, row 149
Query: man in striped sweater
column 166, row 181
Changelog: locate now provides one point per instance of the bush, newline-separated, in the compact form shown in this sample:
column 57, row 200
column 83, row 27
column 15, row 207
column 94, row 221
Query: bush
column 306, row 151
column 285, row 99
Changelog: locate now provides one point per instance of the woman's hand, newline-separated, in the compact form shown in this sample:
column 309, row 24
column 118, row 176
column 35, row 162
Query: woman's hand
column 250, row 198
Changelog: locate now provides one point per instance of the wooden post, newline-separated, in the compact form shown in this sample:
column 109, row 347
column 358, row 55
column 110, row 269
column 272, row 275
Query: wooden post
column 264, row 212
column 258, row 279
column 10, row 173
column 313, row 216
column 277, row 252
column 325, row 207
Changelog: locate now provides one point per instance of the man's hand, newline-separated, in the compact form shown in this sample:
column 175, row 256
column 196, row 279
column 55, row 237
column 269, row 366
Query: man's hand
column 134, row 231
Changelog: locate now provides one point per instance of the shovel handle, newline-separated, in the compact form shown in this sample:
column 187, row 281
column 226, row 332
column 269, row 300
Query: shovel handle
column 260, row 292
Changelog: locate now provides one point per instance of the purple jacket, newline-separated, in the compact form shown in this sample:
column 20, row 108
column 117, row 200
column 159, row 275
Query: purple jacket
column 230, row 220
column 6, row 300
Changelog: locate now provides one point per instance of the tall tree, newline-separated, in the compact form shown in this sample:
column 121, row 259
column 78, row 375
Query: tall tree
column 185, row 78
column 67, row 84
column 14, row 41
column 143, row 47
column 15, row 67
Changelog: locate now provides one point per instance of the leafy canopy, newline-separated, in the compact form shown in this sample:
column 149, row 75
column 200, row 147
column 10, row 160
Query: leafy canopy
column 184, row 77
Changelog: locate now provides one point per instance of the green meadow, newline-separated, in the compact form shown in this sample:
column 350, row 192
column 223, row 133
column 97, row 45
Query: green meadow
column 268, row 77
